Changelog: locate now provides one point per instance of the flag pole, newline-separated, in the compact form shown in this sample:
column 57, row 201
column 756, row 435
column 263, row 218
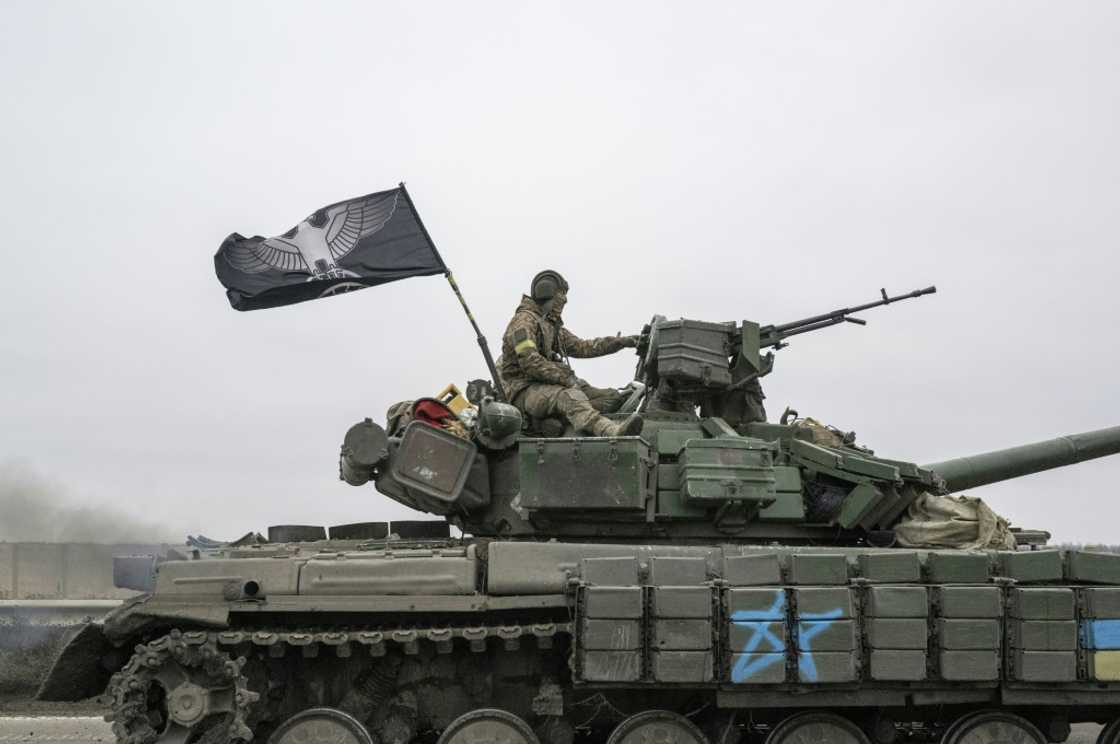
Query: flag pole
column 498, row 392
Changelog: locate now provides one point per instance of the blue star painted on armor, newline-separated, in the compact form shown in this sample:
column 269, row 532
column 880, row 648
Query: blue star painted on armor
column 758, row 622
column 765, row 648
column 812, row 625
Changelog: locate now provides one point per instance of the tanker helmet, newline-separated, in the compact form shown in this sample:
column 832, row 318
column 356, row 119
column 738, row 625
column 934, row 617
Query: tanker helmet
column 545, row 286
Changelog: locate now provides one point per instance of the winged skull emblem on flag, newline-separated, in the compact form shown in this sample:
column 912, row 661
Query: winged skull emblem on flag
column 318, row 243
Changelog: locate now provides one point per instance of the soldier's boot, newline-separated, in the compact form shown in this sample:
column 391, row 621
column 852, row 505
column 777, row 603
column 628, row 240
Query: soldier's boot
column 631, row 426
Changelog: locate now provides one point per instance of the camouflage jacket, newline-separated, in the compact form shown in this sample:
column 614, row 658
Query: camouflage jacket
column 535, row 347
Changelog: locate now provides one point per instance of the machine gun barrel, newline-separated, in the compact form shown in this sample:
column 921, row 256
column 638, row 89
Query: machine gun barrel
column 992, row 467
column 772, row 335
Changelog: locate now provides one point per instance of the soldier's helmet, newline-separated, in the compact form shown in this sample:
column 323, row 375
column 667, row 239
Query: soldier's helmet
column 546, row 284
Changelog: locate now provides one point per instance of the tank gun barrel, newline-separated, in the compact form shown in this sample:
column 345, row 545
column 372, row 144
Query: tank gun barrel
column 962, row 473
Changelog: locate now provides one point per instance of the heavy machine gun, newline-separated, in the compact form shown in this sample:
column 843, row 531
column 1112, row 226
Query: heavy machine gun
column 697, row 359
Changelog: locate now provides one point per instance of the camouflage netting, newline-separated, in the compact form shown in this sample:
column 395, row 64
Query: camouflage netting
column 956, row 522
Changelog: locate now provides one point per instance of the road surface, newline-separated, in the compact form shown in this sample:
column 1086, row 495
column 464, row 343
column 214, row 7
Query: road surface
column 56, row 729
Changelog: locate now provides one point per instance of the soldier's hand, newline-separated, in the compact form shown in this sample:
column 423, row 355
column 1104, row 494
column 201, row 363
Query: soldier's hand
column 630, row 342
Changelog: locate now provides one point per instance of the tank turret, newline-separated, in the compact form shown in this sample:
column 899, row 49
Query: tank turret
column 707, row 466
column 972, row 471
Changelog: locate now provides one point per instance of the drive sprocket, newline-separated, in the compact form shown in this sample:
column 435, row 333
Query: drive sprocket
column 181, row 689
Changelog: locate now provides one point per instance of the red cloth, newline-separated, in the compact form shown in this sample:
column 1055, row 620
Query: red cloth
column 431, row 412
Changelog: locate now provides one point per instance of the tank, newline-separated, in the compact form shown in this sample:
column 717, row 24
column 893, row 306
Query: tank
column 719, row 578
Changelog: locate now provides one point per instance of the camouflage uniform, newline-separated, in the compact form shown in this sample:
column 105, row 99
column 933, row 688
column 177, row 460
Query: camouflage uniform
column 535, row 374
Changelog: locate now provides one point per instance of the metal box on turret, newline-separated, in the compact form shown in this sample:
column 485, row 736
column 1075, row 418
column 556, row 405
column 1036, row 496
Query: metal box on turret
column 585, row 473
column 695, row 353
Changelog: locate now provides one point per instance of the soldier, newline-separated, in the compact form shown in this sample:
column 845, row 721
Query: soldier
column 534, row 365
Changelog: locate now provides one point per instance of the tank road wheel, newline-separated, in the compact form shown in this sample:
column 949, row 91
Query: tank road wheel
column 657, row 727
column 993, row 727
column 174, row 691
column 488, row 726
column 817, row 728
column 1110, row 734
column 321, row 726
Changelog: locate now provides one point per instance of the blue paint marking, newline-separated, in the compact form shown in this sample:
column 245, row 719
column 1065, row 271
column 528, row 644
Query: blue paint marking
column 751, row 660
column 1101, row 634
column 812, row 625
column 755, row 656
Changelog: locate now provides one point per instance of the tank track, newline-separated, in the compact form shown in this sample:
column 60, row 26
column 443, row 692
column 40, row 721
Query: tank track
column 139, row 698
column 383, row 677
column 377, row 642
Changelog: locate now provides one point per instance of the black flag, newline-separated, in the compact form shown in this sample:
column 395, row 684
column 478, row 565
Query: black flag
column 349, row 245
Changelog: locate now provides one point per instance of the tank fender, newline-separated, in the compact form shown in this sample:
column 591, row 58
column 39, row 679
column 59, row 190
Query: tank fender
column 545, row 568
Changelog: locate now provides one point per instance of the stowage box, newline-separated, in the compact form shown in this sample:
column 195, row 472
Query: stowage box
column 577, row 473
column 694, row 353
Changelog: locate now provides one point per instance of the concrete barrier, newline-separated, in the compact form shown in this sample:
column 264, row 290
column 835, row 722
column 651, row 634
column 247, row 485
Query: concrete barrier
column 64, row 570
column 46, row 591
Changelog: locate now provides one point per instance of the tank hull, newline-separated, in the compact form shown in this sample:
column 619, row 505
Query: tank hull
column 915, row 638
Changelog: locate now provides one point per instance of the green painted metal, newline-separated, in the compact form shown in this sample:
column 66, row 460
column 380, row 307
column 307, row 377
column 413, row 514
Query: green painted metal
column 973, row 471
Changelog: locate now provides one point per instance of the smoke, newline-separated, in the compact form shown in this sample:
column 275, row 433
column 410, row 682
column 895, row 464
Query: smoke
column 34, row 509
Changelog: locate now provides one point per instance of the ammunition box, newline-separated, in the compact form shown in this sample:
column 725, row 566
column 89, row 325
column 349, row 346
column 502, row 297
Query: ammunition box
column 1042, row 604
column 694, row 352
column 816, row 603
column 756, row 604
column 762, row 637
column 682, row 635
column 612, row 666
column 609, row 571
column 1101, row 603
column 1093, row 568
column 682, row 601
column 906, row 634
column 898, row 665
column 1032, row 566
column 670, row 571
column 611, row 635
column 958, row 568
column 1042, row 635
column 613, row 602
column 826, row 666
column 1101, row 634
column 898, row 601
column 752, row 570
column 970, row 601
column 968, row 635
column 969, row 666
column 683, row 666
column 1044, row 666
column 585, row 473
column 1104, row 666
column 757, row 669
column 826, row 635
column 819, row 568
column 895, row 568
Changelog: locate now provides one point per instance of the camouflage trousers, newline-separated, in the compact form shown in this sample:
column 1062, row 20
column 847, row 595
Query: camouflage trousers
column 581, row 405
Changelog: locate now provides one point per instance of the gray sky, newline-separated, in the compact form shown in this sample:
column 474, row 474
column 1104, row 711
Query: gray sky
column 718, row 162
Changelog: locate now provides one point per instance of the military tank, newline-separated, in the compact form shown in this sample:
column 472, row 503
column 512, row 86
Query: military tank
column 719, row 578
